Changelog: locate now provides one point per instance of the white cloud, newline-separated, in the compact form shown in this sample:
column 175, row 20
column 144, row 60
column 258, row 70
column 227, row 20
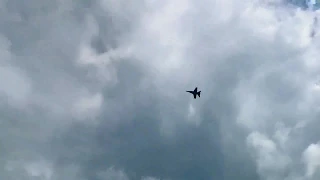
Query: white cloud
column 150, row 178
column 270, row 159
column 29, row 170
column 112, row 173
column 39, row 169
column 311, row 157
column 14, row 85
column 88, row 106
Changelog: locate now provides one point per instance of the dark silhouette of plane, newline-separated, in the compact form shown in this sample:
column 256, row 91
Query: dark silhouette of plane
column 195, row 93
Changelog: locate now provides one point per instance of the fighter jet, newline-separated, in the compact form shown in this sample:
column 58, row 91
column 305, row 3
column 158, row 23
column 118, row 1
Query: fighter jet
column 195, row 93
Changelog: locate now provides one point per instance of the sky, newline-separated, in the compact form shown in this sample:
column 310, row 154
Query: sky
column 95, row 90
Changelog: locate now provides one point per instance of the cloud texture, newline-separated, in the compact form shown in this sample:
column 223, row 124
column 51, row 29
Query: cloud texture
column 95, row 90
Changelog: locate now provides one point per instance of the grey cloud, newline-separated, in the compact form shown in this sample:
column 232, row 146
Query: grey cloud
column 102, row 91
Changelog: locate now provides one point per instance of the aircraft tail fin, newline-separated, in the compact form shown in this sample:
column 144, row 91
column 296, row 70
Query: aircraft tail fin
column 199, row 93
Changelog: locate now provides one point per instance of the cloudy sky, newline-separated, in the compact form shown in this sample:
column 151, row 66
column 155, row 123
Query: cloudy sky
column 95, row 90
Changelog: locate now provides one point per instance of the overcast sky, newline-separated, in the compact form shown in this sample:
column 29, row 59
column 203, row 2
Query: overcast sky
column 95, row 90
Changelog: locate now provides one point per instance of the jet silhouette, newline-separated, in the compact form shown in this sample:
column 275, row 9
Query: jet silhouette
column 195, row 93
